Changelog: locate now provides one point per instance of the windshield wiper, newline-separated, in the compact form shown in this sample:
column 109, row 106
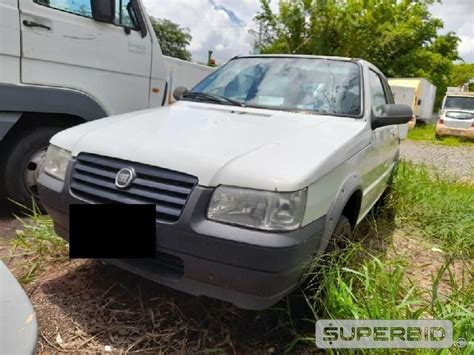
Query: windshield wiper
column 212, row 97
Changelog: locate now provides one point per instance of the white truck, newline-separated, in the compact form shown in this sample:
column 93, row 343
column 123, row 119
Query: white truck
column 251, row 174
column 66, row 62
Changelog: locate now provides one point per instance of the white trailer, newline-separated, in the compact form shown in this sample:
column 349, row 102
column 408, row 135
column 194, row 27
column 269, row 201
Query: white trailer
column 66, row 62
column 418, row 93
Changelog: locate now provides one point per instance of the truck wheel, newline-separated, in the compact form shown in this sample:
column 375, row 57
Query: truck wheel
column 341, row 236
column 21, row 161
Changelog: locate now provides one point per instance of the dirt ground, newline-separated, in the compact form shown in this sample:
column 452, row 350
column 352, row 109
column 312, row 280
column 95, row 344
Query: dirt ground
column 85, row 306
column 88, row 306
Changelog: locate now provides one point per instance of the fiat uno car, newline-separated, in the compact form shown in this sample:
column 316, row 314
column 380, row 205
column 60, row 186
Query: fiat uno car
column 252, row 173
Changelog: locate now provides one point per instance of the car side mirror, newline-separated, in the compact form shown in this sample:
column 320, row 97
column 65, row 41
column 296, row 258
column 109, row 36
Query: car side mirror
column 103, row 10
column 391, row 114
column 179, row 92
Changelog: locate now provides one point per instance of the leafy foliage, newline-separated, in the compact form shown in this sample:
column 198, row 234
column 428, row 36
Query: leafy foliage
column 461, row 74
column 400, row 37
column 173, row 38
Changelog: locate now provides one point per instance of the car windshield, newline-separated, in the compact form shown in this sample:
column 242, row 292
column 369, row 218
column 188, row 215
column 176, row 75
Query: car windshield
column 293, row 84
column 461, row 102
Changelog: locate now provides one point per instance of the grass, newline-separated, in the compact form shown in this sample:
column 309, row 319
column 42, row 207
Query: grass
column 38, row 240
column 360, row 283
column 427, row 133
column 441, row 209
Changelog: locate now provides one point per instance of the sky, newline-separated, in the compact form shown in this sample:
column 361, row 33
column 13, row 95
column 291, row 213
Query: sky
column 223, row 25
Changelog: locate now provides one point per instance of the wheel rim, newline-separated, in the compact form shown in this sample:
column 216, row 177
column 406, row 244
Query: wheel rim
column 31, row 172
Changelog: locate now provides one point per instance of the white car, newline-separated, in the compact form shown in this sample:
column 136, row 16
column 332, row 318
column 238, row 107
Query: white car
column 252, row 172
column 456, row 122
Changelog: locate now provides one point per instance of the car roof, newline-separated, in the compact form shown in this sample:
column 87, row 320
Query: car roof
column 347, row 59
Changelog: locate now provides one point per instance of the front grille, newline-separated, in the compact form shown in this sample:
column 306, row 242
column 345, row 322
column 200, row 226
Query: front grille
column 93, row 179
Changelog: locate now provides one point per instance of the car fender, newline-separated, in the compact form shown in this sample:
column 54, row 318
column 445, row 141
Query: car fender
column 350, row 185
column 7, row 121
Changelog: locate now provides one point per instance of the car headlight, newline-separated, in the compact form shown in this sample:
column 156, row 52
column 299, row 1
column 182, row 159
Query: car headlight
column 56, row 161
column 257, row 209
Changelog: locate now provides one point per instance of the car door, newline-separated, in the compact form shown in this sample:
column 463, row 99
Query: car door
column 384, row 142
column 63, row 46
column 9, row 42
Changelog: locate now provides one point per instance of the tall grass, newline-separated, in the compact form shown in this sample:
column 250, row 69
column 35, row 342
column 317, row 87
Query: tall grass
column 39, row 242
column 359, row 283
column 440, row 209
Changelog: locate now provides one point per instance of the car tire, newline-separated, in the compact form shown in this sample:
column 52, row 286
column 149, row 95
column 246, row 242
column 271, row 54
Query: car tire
column 20, row 162
column 341, row 236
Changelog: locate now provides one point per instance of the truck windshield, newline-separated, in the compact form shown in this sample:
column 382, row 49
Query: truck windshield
column 460, row 102
column 292, row 84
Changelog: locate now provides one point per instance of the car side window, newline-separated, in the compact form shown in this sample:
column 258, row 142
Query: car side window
column 377, row 91
column 124, row 14
column 76, row 7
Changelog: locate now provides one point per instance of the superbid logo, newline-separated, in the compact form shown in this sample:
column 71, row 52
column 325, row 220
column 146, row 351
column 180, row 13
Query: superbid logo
column 373, row 334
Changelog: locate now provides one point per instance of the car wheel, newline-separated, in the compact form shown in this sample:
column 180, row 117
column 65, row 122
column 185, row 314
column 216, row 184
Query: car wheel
column 342, row 235
column 21, row 163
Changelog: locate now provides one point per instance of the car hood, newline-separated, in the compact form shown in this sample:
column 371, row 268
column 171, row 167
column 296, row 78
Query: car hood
column 264, row 149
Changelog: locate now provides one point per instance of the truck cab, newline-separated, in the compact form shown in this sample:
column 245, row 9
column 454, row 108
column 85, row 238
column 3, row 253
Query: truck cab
column 66, row 62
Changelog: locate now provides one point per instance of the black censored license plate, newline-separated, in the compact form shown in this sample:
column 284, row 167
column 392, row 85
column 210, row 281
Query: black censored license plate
column 112, row 231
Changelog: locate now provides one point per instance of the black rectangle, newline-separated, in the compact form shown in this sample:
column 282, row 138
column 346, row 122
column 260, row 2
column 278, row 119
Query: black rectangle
column 112, row 231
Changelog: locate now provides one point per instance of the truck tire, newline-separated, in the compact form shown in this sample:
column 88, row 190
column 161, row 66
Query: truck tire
column 20, row 163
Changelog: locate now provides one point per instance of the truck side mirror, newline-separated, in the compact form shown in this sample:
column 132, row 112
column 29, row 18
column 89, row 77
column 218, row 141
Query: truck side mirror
column 391, row 114
column 179, row 92
column 103, row 10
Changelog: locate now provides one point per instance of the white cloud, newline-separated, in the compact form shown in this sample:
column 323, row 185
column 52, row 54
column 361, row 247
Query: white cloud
column 458, row 17
column 212, row 28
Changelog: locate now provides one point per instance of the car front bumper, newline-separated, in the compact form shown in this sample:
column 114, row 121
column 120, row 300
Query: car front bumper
column 251, row 269
column 443, row 130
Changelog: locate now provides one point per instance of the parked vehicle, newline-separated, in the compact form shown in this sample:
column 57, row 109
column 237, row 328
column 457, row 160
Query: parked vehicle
column 456, row 99
column 251, row 179
column 418, row 93
column 67, row 62
column 456, row 123
column 18, row 325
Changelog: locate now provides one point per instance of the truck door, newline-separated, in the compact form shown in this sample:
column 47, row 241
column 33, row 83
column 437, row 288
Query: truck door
column 63, row 46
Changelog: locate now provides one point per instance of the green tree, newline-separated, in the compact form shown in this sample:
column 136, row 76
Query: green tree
column 399, row 36
column 461, row 74
column 173, row 38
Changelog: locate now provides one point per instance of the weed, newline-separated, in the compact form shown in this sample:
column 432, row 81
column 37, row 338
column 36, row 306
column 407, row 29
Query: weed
column 38, row 240
column 441, row 209
column 358, row 284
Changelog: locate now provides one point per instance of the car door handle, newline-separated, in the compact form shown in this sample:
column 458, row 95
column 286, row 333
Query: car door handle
column 35, row 24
